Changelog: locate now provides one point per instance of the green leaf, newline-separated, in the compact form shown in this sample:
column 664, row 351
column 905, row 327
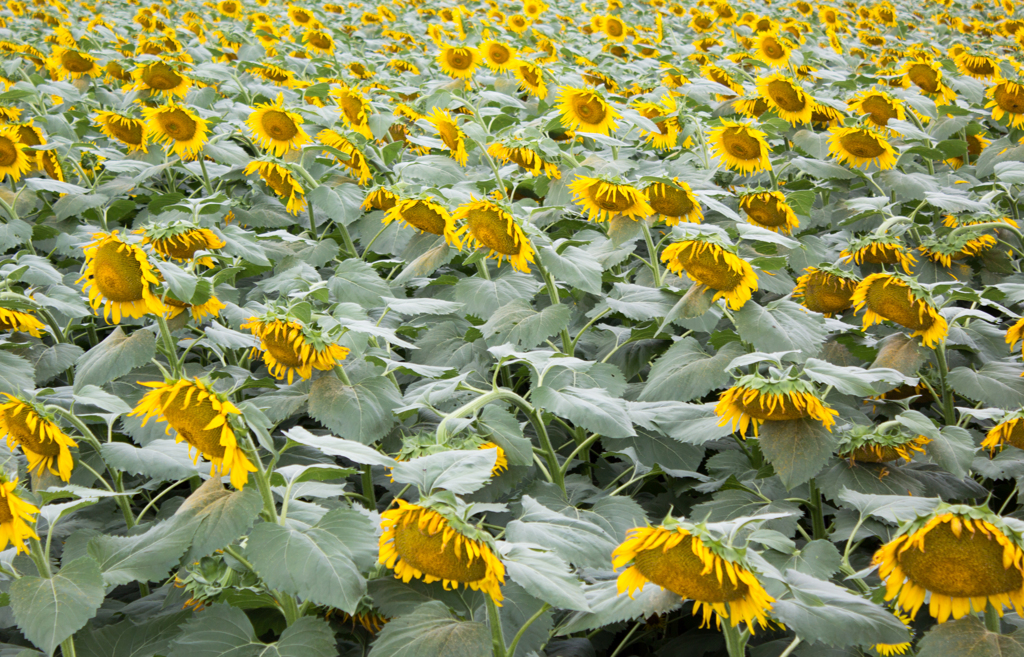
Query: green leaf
column 14, row 233
column 131, row 638
column 518, row 323
column 182, row 283
column 221, row 515
column 896, row 509
column 968, row 637
column 855, row 381
column 636, row 302
column 54, row 360
column 16, row 375
column 686, row 371
column 797, row 449
column 49, row 610
column 901, row 353
column 242, row 244
column 574, row 266
column 997, row 383
column 460, row 471
column 543, row 575
column 503, row 429
column 781, row 326
column 359, row 412
column 355, row 281
column 608, row 607
column 432, row 631
column 333, row 205
column 820, row 559
column 116, row 356
column 953, row 449
column 481, row 297
column 144, row 557
column 577, row 540
column 160, row 460
column 333, row 446
column 591, row 408
column 220, row 631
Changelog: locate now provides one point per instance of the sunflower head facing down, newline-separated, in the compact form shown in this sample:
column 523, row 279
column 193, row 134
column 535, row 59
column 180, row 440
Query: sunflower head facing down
column 586, row 110
column 674, row 201
column 489, row 225
column 276, row 129
column 202, row 418
column 959, row 559
column 450, row 133
column 901, row 300
column 119, row 276
column 177, row 126
column 425, row 215
column 964, row 245
column 603, row 200
column 663, row 116
column 883, row 249
column 43, row 442
column 20, row 318
column 180, row 240
column 695, row 564
column 1009, row 431
column 869, row 444
column 715, row 265
column 282, row 182
column 754, row 400
column 861, row 147
column 519, row 151
column 288, row 346
column 15, row 517
column 380, row 198
column 160, row 79
column 130, row 132
column 436, row 546
column 825, row 289
column 786, row 98
column 356, row 162
column 769, row 210
column 741, row 147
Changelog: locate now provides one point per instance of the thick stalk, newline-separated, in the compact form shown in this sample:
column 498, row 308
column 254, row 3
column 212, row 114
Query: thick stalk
column 262, row 481
column 172, row 351
column 735, row 644
column 206, row 176
column 369, row 496
column 522, row 630
column 494, row 620
column 652, row 253
column 289, row 607
column 992, row 620
column 947, row 397
column 312, row 221
column 791, row 647
column 817, row 516
column 67, row 647
column 567, row 343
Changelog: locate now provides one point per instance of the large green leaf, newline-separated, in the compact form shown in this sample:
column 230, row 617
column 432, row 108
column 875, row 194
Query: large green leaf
column 16, row 375
column 997, row 383
column 116, row 356
column 432, row 631
column 131, row 638
column 577, row 540
column 573, row 266
column 143, row 557
column 225, row 631
column 686, row 371
column 221, row 516
column 49, row 610
column 518, row 323
column 361, row 411
column 543, row 575
column 797, row 449
column 781, row 326
column 591, row 408
column 968, row 637
column 160, row 460
column 459, row 471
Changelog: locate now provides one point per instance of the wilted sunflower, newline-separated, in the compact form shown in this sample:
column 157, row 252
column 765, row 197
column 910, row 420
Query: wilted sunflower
column 603, row 200
column 179, row 240
column 713, row 265
column 178, row 127
column 130, row 132
column 674, row 202
column 878, row 106
column 981, row 67
column 961, row 558
column 45, row 445
column 773, row 50
column 202, row 418
column 288, row 347
column 869, row 444
column 354, row 110
column 282, row 182
column 15, row 516
column 585, row 110
column 319, row 41
column 490, row 226
column 159, row 78
column 458, row 62
column 825, row 290
column 754, row 400
column 1009, row 431
column 424, row 215
column 17, row 320
column 497, row 56
column 667, row 135
column 880, row 250
column 15, row 161
column 741, row 147
column 530, row 77
column 900, row 300
column 420, row 543
column 276, row 129
column 70, row 63
column 861, row 147
column 518, row 151
column 693, row 564
column 769, row 210
column 964, row 245
column 451, row 134
column 1007, row 99
column 119, row 276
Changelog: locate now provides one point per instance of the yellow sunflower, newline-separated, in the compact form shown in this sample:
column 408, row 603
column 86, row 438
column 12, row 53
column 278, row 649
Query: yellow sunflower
column 421, row 543
column 769, row 210
column 319, row 41
column 878, row 107
column 981, row 67
column 879, row 250
column 209, row 308
column 520, row 152
column 667, row 135
column 868, row 444
column 130, row 132
column 202, row 418
column 713, row 265
column 773, row 50
column 786, row 98
column 500, row 461
column 450, row 133
column 975, row 145
column 498, row 56
column 380, row 198
column 119, row 276
column 754, row 400
column 276, row 129
column 289, row 348
column 180, row 241
column 674, row 202
column 424, row 215
column 458, row 62
column 17, row 320
column 159, row 78
column 282, row 182
column 584, row 110
column 354, row 110
column 614, row 28
column 15, row 516
column 1007, row 99
column 356, row 162
column 275, row 74
column 230, row 8
column 178, row 127
column 490, row 226
column 927, row 77
column 741, row 147
column 722, row 77
column 677, row 559
column 44, row 444
column 1009, row 431
column 530, row 77
column 603, row 200
column 945, row 252
column 892, row 297
column 825, row 290
column 861, row 147
column 70, row 63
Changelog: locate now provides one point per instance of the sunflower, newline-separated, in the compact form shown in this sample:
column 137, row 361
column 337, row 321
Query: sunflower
column 178, row 127
column 497, row 56
column 289, row 347
column 356, row 162
column 276, row 129
column 900, row 300
column 30, row 135
column 159, row 78
column 962, row 558
column 421, row 543
column 458, row 62
column 519, row 152
column 275, row 74
column 980, row 67
column 354, row 110
column 861, row 147
column 71, row 63
column 825, row 290
column 517, row 23
column 688, row 561
column 209, row 308
column 130, row 132
column 878, row 107
column 1009, row 431
column 17, row 320
column 603, row 200
column 773, row 50
column 15, row 161
column 667, row 135
column 119, row 276
column 614, row 28
column 230, row 8
column 281, row 180
column 715, row 266
column 975, row 145
column 869, row 444
column 879, row 250
column 319, row 41
column 927, row 77
column 451, row 134
column 380, row 198
column 300, row 16
column 15, row 514
column 751, row 108
column 741, row 147
column 500, row 461
column 490, row 226
column 769, row 210
column 964, row 245
column 585, row 110
column 45, row 445
column 754, row 400
column 674, row 202
column 1007, row 99
column 424, row 215
column 202, row 418
column 179, row 240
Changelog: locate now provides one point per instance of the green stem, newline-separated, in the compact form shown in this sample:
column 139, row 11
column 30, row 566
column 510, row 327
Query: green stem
column 947, row 397
column 579, row 449
column 791, row 647
column 988, row 224
column 367, row 249
column 992, row 620
column 347, row 240
column 206, row 176
column 652, row 253
column 494, row 620
column 67, row 647
column 522, row 630
column 567, row 342
column 41, row 561
column 735, row 644
column 481, row 266
column 369, row 496
column 237, row 556
column 817, row 516
column 262, row 481
column 172, row 351
column 625, row 639
column 312, row 221
column 289, row 607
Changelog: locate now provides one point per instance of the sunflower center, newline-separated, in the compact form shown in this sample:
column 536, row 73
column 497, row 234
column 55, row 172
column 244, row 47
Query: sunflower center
column 492, row 230
column 117, row 273
column 772, row 48
column 827, row 296
column 612, row 198
column 786, row 96
column 1012, row 102
column 130, row 132
column 771, row 407
column 965, row 567
column 449, row 133
column 498, row 53
column 710, row 267
column 75, row 62
column 613, row 28
column 741, row 144
column 160, row 76
column 862, row 144
column 5, row 511
column 459, row 59
column 321, row 41
column 679, row 570
column 352, row 108
column 879, row 109
column 980, row 66
column 765, row 212
column 8, row 152
column 669, row 200
column 278, row 125
column 177, row 124
column 430, row 555
column 27, row 136
column 28, row 439
column 182, row 247
column 896, row 303
column 283, row 351
column 924, row 77
column 974, row 145
column 422, row 216
column 117, row 71
column 880, row 454
column 281, row 185
column 191, row 422
column 230, row 7
column 590, row 110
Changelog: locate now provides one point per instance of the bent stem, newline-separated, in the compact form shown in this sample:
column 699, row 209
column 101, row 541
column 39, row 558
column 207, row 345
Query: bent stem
column 511, row 651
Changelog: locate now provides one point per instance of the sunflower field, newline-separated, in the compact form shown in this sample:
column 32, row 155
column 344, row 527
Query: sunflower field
column 511, row 328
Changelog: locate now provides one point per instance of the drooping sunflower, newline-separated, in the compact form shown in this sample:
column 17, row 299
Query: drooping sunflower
column 15, row 516
column 519, row 151
column 980, row 67
column 880, row 250
column 498, row 56
column 354, row 110
column 585, row 110
column 380, row 198
column 604, row 200
column 1007, row 99
column 721, row 76
column 741, row 147
column 119, row 276
column 15, row 161
column 488, row 225
column 927, row 76
column 500, row 461
column 130, row 132
column 178, row 127
column 319, row 41
column 179, row 240
column 692, row 563
column 871, row 444
column 450, row 133
column 530, row 77
column 773, row 50
column 674, row 201
column 71, row 63
column 712, row 264
column 878, row 107
column 458, row 62
column 826, row 290
column 282, row 182
column 51, row 164
column 769, row 210
column 209, row 308
column 279, row 76
column 899, row 299
column 202, row 418
column 19, row 320
column 663, row 114
column 1009, row 431
column 276, row 129
column 861, row 147
column 289, row 347
column 356, row 162
column 960, row 558
column 424, row 215
column 160, row 78
column 754, row 400
column 419, row 542
column 752, row 107
column 43, row 442
column 964, row 245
